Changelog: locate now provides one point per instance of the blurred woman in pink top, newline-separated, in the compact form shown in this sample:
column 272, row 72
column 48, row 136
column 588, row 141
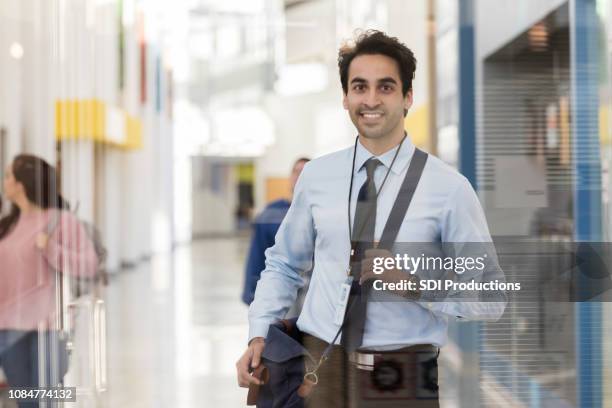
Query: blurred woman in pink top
column 32, row 254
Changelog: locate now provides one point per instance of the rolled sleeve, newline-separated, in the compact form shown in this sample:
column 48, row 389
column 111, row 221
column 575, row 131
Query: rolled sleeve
column 464, row 224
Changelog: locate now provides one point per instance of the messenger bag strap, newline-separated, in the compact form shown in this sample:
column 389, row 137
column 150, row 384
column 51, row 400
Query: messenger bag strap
column 404, row 197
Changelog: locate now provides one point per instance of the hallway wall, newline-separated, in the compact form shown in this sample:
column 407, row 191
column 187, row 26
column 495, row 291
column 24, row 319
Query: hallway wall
column 71, row 56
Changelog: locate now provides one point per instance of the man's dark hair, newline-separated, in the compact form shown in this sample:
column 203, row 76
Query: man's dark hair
column 373, row 42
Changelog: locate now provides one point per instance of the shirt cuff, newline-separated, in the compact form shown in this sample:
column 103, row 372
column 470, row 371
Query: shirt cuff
column 258, row 329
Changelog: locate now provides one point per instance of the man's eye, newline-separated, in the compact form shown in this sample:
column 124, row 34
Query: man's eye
column 359, row 87
column 387, row 88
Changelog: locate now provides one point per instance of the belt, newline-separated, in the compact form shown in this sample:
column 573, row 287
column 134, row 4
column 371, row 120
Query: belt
column 364, row 359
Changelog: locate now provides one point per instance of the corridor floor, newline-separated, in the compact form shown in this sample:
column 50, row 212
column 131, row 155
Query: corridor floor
column 176, row 327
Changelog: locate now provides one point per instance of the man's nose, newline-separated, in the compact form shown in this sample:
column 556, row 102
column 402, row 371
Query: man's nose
column 371, row 99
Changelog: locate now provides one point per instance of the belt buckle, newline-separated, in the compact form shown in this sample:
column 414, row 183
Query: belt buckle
column 362, row 361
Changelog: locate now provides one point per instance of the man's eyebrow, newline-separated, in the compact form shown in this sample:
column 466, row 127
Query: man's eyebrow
column 387, row 80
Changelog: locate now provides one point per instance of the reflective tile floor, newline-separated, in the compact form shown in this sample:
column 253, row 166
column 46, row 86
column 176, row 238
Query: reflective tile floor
column 176, row 327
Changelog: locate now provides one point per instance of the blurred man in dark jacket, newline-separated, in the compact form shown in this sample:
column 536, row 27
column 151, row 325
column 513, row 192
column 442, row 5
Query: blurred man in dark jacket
column 265, row 227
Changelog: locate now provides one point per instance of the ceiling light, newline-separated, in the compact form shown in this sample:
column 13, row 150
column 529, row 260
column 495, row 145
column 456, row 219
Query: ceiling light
column 297, row 79
column 16, row 50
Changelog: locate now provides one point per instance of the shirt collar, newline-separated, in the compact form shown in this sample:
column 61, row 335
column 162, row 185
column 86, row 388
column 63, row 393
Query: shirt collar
column 403, row 157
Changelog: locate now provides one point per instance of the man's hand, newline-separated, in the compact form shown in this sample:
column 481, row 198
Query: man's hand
column 389, row 275
column 249, row 361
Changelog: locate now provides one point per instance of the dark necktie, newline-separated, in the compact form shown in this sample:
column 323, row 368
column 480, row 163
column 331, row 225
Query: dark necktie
column 363, row 235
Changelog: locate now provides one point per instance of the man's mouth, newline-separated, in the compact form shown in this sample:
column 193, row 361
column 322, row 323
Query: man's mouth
column 371, row 115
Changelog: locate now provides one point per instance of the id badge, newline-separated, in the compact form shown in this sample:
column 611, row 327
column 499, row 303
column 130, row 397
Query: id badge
column 345, row 291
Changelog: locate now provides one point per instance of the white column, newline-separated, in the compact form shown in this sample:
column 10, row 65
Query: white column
column 10, row 75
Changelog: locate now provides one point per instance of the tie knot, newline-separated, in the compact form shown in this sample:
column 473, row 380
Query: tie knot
column 370, row 166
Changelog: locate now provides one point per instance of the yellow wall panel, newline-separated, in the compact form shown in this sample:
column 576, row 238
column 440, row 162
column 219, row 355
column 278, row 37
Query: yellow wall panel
column 245, row 173
column 134, row 133
column 82, row 119
column 417, row 126
column 86, row 119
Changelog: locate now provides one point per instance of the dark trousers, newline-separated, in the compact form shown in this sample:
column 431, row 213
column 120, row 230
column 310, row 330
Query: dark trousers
column 20, row 359
column 405, row 378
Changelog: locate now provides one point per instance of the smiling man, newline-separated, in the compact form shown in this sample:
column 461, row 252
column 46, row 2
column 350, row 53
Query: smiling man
column 341, row 208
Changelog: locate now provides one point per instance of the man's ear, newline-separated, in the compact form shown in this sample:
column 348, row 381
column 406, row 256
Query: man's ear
column 408, row 100
column 345, row 102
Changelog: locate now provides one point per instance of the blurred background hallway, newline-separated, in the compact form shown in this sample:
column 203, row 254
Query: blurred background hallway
column 173, row 124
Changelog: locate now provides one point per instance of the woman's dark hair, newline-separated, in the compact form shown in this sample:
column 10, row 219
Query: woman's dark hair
column 40, row 183
column 372, row 42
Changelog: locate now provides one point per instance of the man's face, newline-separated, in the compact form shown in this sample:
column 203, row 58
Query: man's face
column 374, row 96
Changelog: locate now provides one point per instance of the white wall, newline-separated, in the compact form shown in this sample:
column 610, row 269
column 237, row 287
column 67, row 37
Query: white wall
column 499, row 21
column 38, row 84
column 408, row 22
column 313, row 40
column 163, row 211
column 213, row 209
column 78, row 178
column 10, row 76
column 108, row 184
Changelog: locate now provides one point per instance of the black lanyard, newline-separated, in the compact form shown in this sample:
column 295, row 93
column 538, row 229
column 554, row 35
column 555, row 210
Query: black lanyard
column 350, row 195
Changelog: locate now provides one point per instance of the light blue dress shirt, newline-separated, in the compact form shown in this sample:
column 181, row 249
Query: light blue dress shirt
column 444, row 208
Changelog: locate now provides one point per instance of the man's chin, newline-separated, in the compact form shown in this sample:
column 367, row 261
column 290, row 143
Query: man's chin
column 370, row 133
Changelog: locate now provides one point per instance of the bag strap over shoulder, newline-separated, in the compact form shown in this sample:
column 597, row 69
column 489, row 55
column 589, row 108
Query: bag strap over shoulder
column 404, row 197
